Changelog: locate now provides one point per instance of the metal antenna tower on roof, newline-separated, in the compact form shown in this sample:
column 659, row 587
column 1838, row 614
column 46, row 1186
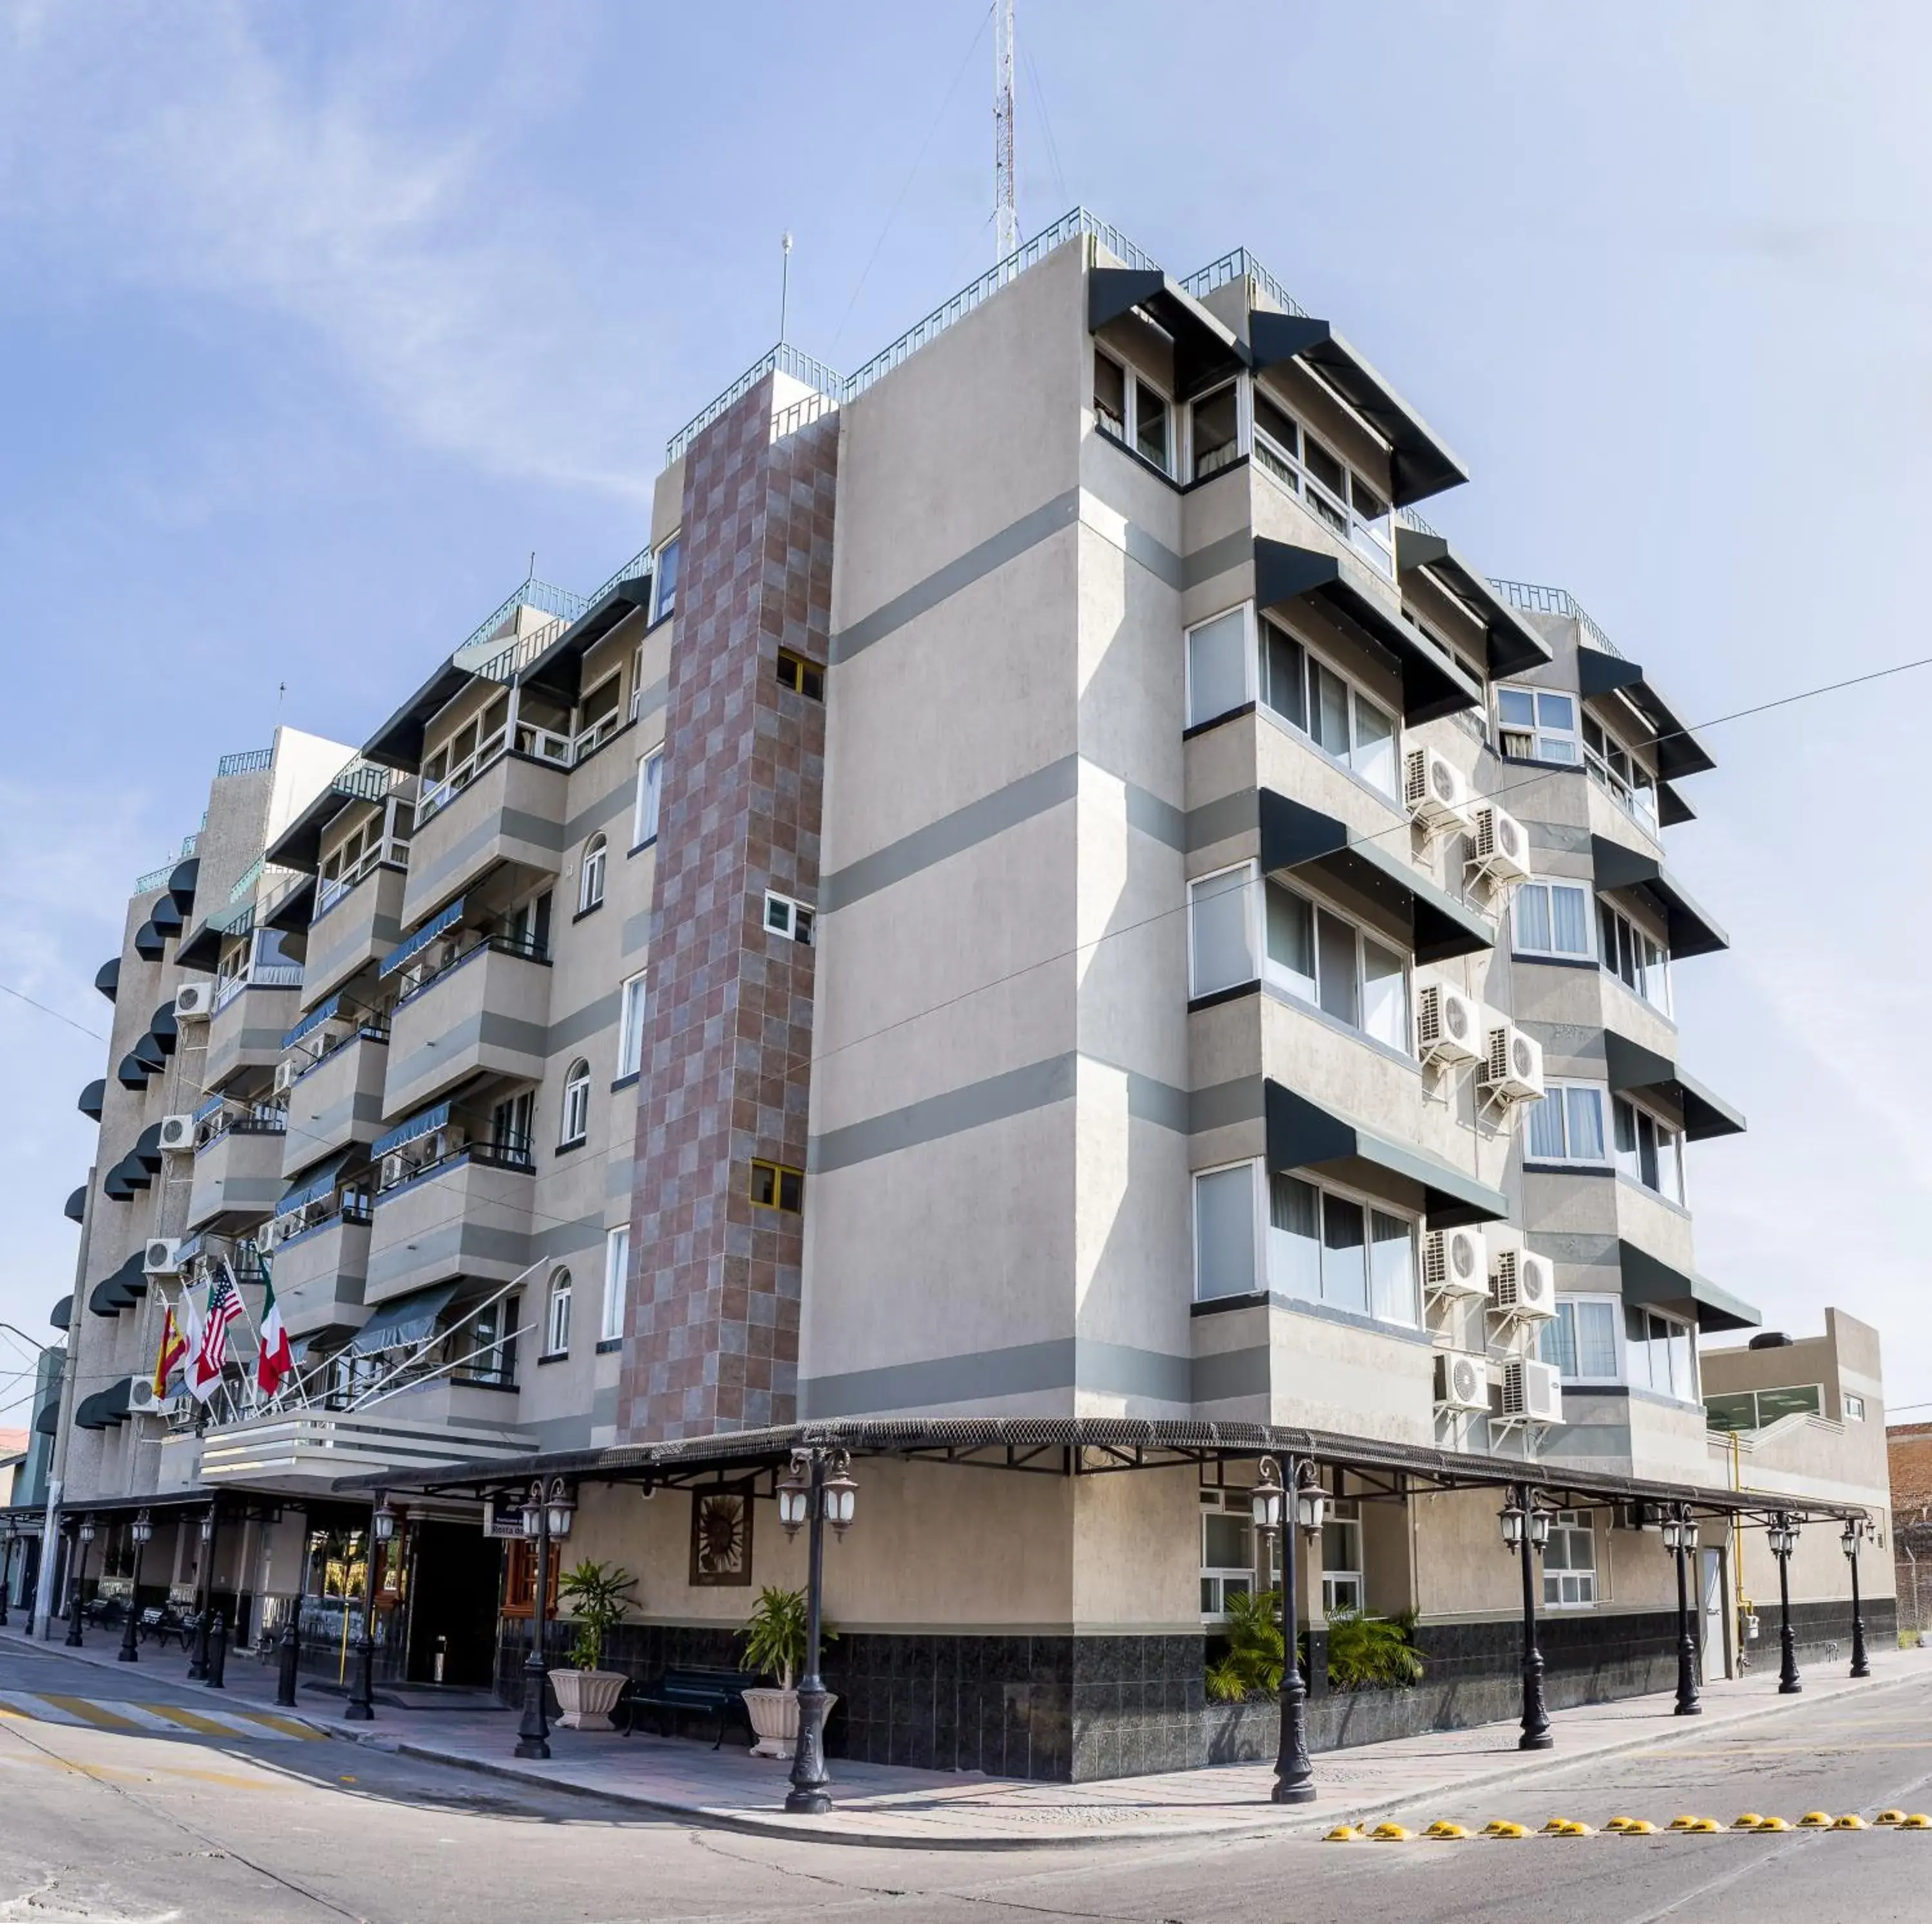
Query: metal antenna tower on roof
column 1006, row 186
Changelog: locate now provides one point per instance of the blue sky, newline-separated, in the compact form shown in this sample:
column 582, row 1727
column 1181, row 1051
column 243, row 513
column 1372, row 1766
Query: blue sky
column 316, row 320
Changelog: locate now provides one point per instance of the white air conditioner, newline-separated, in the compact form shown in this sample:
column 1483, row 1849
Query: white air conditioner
column 1512, row 1065
column 1434, row 792
column 162, row 1257
column 178, row 1134
column 141, row 1398
column 286, row 1072
column 1532, row 1390
column 1448, row 1025
column 193, row 1001
column 1452, row 1263
column 1461, row 1381
column 394, row 1169
column 1500, row 847
column 1524, row 1285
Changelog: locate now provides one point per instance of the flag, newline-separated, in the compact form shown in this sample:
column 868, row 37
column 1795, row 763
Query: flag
column 276, row 1359
column 173, row 1351
column 224, row 1307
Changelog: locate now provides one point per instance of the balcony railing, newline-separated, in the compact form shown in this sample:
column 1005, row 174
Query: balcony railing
column 254, row 1119
column 526, row 948
column 371, row 1028
column 1541, row 600
column 1369, row 539
column 260, row 976
column 544, row 596
column 512, row 1152
column 1241, row 266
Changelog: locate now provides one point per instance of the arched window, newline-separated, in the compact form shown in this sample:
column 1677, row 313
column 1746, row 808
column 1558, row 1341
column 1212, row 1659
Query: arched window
column 590, row 883
column 576, row 1104
column 557, row 1317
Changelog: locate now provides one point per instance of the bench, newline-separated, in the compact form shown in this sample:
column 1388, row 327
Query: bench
column 719, row 1693
column 159, row 1622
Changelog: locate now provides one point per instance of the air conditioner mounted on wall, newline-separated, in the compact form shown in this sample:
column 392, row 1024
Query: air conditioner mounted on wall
column 193, row 1000
column 1525, row 1285
column 1513, row 1065
column 1448, row 1025
column 1452, row 1263
column 162, row 1257
column 1500, row 847
column 178, row 1134
column 1461, row 1382
column 1434, row 792
column 1533, row 1391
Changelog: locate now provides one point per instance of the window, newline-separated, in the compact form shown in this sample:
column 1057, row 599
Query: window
column 1341, row 1555
column 557, row 1316
column 495, row 1329
column 783, row 916
column 1649, row 1152
column 650, row 785
column 616, row 1281
column 1638, row 961
column 590, row 883
column 510, row 1122
column 1537, row 725
column 1551, row 918
column 1220, row 942
column 1616, row 770
column 631, row 1026
column 1214, row 422
column 663, row 581
column 526, row 929
column 1227, row 1550
column 802, row 677
column 776, row 1187
column 576, row 1104
column 1570, row 1563
column 1354, row 507
column 1659, row 1353
column 1126, row 407
column 1220, row 653
column 1568, row 1124
column 1855, row 1408
column 1757, row 1409
column 1330, row 711
column 1224, row 1233
column 1581, row 1339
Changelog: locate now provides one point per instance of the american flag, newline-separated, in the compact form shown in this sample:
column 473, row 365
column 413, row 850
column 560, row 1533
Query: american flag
column 224, row 1307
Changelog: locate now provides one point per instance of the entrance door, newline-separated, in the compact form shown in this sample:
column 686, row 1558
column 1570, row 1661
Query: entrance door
column 1712, row 1641
column 453, row 1606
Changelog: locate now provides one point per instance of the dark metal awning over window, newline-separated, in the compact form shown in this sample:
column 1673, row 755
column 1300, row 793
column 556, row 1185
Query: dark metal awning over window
column 61, row 1314
column 107, row 978
column 181, row 883
column 75, row 1208
column 290, row 912
column 164, row 1028
column 105, row 1406
column 323, row 1012
column 1205, row 351
column 147, row 1149
column 1303, row 1134
column 1649, row 1281
column 47, row 1423
column 401, row 1325
column 558, row 671
column 1634, row 1067
column 1679, row 753
column 1419, row 463
column 1691, row 931
column 132, row 1073
column 1432, row 684
column 398, row 743
column 444, row 919
column 418, row 1124
column 1513, row 645
column 93, row 1098
column 1293, row 836
column 316, row 1184
column 149, row 943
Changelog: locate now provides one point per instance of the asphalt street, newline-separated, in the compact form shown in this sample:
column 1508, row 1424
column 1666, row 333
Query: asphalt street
column 175, row 1822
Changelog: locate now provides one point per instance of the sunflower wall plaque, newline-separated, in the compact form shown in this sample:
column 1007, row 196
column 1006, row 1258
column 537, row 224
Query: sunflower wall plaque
column 721, row 1536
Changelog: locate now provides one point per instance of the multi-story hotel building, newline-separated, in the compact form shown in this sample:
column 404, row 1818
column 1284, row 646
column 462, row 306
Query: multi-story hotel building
column 1046, row 919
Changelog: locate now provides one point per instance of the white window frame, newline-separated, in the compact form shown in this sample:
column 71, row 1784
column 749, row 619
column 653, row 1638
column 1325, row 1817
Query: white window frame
column 1520, row 945
column 1343, row 1585
column 1197, row 890
column 1218, row 1579
column 1359, row 750
column 1237, row 386
column 1667, row 1133
column 1613, row 1307
column 1575, row 1528
column 616, row 1281
column 1258, row 1247
column 1554, row 1085
column 1628, row 931
column 1674, row 1330
column 649, row 801
column 1250, row 661
column 1854, row 1406
column 631, row 1011
column 1371, row 1207
column 1635, row 792
column 785, row 916
column 1370, row 534
column 556, row 1314
column 1277, row 977
column 662, row 605
column 576, row 1110
column 1541, row 734
column 1128, row 435
column 590, row 880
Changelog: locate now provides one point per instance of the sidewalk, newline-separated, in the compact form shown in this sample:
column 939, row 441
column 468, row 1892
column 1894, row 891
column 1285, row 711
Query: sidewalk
column 1427, row 1776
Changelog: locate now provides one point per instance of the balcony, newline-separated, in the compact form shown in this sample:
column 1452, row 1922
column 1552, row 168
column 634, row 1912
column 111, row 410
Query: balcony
column 237, row 1170
column 308, row 1449
column 354, row 924
column 319, row 1272
column 510, row 809
column 252, row 1013
column 487, row 1010
column 338, row 1099
column 467, row 1213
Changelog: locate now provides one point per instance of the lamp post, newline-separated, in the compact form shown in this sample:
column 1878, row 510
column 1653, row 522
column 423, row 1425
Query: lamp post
column 546, row 1514
column 360, row 1707
column 197, row 1664
column 1783, row 1537
column 77, row 1583
column 1680, row 1538
column 7, row 1567
column 1268, row 1504
column 808, row 1496
column 1526, row 1530
column 141, row 1530
column 1855, row 1531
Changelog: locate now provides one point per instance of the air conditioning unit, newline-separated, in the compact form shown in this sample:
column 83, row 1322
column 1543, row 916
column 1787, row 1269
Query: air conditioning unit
column 1499, row 847
column 1448, row 1025
column 1512, row 1065
column 1532, row 1390
column 1452, row 1263
column 1434, row 792
column 286, row 1072
column 394, row 1169
column 193, row 1001
column 1524, row 1286
column 162, row 1257
column 178, row 1134
column 1461, row 1381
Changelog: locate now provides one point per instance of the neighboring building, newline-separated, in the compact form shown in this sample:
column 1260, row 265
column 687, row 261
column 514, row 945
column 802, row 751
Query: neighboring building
column 1909, row 1449
column 1047, row 917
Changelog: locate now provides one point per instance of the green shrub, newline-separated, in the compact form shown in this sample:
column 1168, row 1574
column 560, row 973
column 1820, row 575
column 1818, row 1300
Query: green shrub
column 1372, row 1653
column 599, row 1595
column 1253, row 1665
column 775, row 1635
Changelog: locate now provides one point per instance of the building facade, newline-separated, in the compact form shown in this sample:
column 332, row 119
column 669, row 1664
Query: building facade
column 1046, row 917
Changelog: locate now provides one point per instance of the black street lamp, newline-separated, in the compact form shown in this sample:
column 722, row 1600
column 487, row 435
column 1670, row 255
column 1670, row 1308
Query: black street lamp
column 360, row 1707
column 197, row 1664
column 1855, row 1531
column 1680, row 1538
column 546, row 1515
column 1783, row 1537
column 7, row 1567
column 77, row 1583
column 141, row 1530
column 1267, row 1505
column 1526, row 1530
column 808, row 1496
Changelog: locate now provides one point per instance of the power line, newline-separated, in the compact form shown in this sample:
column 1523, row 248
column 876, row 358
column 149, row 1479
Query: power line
column 5, row 989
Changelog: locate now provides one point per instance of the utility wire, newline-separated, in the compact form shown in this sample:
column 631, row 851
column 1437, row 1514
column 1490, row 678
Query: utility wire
column 1046, row 123
column 19, row 997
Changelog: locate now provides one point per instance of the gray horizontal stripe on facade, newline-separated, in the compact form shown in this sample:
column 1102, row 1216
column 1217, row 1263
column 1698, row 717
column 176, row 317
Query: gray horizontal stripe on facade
column 1232, row 1373
column 997, row 1099
column 364, row 1105
column 515, row 825
column 246, row 1191
column 1230, row 552
column 655, row 697
column 1219, row 820
column 1558, row 837
column 636, row 932
column 617, row 1178
column 567, row 1238
column 441, row 1252
column 383, row 933
column 1225, row 1104
column 1065, row 1363
column 606, row 808
column 482, row 1031
column 1013, row 541
column 580, row 1024
column 1154, row 555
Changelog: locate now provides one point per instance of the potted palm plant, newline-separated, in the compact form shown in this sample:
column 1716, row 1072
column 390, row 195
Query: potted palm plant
column 597, row 1595
column 774, row 1637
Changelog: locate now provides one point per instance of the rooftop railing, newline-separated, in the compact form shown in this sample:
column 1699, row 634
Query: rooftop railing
column 1410, row 519
column 246, row 763
column 783, row 359
column 1541, row 600
column 1239, row 265
column 544, row 596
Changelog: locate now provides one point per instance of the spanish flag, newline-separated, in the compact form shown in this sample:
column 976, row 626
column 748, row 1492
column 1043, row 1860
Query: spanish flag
column 174, row 1351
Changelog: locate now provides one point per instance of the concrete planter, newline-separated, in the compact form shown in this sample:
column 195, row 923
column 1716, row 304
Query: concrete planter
column 774, row 1714
column 585, row 1698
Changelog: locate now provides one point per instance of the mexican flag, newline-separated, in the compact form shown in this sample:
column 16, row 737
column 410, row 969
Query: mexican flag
column 277, row 1360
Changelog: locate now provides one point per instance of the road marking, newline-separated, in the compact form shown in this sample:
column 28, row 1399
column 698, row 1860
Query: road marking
column 129, row 1720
